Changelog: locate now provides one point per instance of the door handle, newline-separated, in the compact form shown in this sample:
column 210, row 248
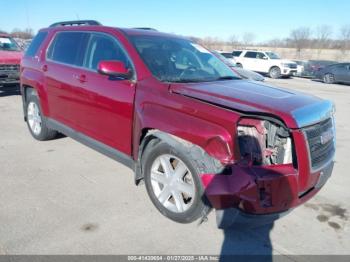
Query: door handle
column 81, row 78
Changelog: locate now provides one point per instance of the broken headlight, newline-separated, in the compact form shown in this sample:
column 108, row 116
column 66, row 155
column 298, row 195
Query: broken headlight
column 263, row 142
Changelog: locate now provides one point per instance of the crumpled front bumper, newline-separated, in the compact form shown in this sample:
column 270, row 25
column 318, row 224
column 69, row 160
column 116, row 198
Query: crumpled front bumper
column 258, row 194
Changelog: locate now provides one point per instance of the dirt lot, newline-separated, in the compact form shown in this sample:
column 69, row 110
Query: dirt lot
column 60, row 197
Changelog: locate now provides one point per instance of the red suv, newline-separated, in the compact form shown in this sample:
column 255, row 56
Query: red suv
column 10, row 58
column 196, row 134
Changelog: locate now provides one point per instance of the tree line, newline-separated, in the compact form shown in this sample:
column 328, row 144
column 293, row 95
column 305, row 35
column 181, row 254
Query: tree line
column 321, row 37
column 26, row 33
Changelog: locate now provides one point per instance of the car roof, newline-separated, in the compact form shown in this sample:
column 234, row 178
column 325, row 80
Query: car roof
column 144, row 31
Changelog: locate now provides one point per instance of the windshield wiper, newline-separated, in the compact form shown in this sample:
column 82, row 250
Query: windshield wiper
column 227, row 78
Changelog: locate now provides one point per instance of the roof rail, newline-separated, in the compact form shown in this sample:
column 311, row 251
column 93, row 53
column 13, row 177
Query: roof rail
column 145, row 28
column 75, row 23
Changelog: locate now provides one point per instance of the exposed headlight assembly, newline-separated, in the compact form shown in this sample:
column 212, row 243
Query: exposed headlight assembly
column 263, row 142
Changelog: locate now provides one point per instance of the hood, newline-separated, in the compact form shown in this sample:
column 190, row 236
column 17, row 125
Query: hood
column 294, row 108
column 286, row 61
column 247, row 74
column 10, row 57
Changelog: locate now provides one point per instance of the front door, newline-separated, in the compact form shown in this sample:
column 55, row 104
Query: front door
column 106, row 104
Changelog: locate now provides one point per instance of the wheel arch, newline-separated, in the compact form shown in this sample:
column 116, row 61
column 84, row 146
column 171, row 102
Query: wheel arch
column 151, row 136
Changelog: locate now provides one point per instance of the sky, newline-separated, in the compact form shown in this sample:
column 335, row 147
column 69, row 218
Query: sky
column 267, row 19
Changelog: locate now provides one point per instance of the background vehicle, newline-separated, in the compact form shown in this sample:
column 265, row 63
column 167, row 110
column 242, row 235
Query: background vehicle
column 227, row 55
column 244, row 73
column 300, row 67
column 337, row 73
column 198, row 135
column 10, row 58
column 266, row 62
column 311, row 67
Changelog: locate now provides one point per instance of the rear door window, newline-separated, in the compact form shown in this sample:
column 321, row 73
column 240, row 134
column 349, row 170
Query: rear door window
column 250, row 55
column 68, row 48
column 236, row 53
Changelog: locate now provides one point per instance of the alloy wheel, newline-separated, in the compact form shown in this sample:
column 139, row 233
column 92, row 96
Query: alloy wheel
column 172, row 183
column 34, row 118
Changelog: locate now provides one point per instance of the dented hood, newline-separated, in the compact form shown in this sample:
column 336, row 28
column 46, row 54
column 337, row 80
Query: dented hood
column 295, row 108
column 10, row 57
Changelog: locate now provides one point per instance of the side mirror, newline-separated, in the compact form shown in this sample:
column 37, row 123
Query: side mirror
column 114, row 69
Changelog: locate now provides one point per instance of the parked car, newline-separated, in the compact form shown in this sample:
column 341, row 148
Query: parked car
column 227, row 55
column 10, row 58
column 244, row 73
column 198, row 136
column 338, row 73
column 311, row 67
column 266, row 62
column 300, row 68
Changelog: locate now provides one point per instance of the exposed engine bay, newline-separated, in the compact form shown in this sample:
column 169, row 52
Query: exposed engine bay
column 262, row 142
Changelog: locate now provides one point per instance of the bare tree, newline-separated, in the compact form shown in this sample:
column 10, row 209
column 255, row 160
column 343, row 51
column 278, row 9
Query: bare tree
column 212, row 43
column 24, row 34
column 323, row 35
column 300, row 38
column 233, row 41
column 345, row 38
column 248, row 38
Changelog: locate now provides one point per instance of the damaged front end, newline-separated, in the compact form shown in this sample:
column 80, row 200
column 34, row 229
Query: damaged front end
column 264, row 183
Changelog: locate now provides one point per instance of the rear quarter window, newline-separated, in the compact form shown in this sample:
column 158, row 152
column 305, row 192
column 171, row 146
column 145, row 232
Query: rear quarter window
column 236, row 53
column 68, row 48
column 35, row 44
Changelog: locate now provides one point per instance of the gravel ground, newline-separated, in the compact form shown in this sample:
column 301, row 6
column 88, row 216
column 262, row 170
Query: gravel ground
column 60, row 197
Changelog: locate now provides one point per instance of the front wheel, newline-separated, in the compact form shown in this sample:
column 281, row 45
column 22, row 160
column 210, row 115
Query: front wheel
column 275, row 72
column 172, row 180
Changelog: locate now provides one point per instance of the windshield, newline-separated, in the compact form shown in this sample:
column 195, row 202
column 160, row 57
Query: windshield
column 180, row 60
column 272, row 55
column 8, row 44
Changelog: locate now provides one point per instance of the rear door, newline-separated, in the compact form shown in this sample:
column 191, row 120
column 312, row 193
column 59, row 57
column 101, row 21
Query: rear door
column 249, row 60
column 64, row 59
column 342, row 73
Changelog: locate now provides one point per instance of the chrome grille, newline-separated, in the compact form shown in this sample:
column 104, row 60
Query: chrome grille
column 9, row 68
column 320, row 138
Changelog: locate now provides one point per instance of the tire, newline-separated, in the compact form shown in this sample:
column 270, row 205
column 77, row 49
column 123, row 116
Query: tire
column 172, row 202
column 239, row 65
column 36, row 122
column 275, row 72
column 328, row 78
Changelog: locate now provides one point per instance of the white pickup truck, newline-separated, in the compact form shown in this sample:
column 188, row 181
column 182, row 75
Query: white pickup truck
column 265, row 62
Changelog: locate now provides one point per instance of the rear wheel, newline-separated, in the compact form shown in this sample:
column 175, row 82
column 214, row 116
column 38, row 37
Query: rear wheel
column 172, row 180
column 328, row 78
column 275, row 72
column 36, row 122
